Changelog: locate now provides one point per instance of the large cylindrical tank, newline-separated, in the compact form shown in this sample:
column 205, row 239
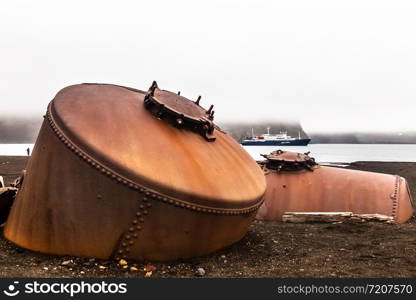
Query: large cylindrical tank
column 295, row 183
column 117, row 172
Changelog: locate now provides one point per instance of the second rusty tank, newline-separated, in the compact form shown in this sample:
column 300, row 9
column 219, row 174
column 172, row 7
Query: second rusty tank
column 296, row 183
column 121, row 173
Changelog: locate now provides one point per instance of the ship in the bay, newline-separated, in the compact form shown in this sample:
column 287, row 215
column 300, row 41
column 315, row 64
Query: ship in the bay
column 281, row 139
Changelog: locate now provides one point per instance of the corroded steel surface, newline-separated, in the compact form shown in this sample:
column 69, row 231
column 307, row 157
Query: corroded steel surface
column 329, row 189
column 108, row 179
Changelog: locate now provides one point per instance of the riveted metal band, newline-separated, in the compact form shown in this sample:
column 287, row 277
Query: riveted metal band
column 131, row 235
column 133, row 185
column 395, row 197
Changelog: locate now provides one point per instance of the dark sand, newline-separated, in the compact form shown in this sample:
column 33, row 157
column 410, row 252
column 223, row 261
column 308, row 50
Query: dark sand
column 268, row 249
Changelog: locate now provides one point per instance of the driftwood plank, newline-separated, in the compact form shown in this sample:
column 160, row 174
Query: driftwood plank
column 332, row 217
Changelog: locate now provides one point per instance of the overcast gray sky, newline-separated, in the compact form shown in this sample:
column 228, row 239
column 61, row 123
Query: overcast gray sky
column 333, row 65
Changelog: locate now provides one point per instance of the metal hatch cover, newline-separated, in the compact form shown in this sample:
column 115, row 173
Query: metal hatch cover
column 280, row 160
column 180, row 111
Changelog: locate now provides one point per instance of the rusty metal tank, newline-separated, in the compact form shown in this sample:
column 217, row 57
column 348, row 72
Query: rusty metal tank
column 121, row 173
column 296, row 183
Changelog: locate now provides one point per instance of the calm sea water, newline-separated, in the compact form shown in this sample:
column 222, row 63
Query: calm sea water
column 343, row 153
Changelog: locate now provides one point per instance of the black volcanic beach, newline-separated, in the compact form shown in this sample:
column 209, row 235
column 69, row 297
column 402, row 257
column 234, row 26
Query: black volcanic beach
column 268, row 249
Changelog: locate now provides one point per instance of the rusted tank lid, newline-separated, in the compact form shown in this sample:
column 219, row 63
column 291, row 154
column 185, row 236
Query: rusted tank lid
column 280, row 160
column 180, row 111
column 111, row 129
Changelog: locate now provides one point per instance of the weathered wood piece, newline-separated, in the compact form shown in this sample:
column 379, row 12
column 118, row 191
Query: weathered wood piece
column 7, row 195
column 333, row 217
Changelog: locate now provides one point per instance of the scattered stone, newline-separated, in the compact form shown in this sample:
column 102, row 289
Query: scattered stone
column 134, row 269
column 122, row 262
column 102, row 267
column 67, row 262
column 45, row 268
column 200, row 272
column 149, row 268
column 148, row 274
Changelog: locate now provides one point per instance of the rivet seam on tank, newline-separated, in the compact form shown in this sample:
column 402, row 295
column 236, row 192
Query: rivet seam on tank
column 154, row 195
column 395, row 197
column 136, row 225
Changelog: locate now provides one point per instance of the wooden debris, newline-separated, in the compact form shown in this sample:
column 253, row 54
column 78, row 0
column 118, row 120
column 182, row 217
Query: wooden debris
column 4, row 190
column 7, row 195
column 374, row 217
column 333, row 217
column 315, row 217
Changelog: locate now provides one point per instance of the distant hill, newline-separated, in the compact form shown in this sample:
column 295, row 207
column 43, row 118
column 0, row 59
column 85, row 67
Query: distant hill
column 19, row 130
column 25, row 130
column 240, row 130
column 364, row 138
